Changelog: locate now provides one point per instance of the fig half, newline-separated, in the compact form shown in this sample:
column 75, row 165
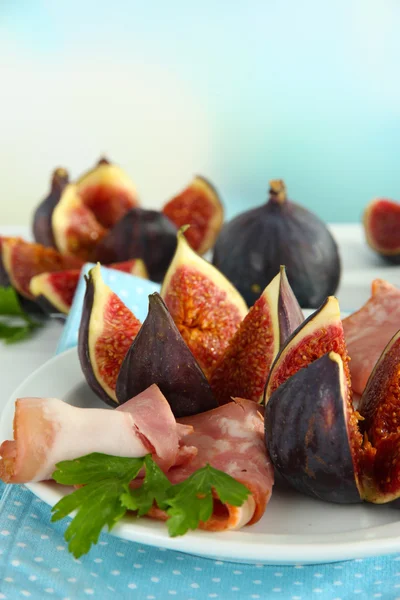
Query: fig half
column 381, row 222
column 42, row 220
column 204, row 305
column 106, row 332
column 244, row 367
column 159, row 355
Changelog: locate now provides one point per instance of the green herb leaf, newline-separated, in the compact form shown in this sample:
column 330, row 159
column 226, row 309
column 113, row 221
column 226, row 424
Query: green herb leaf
column 97, row 467
column 10, row 307
column 9, row 303
column 153, row 489
column 191, row 501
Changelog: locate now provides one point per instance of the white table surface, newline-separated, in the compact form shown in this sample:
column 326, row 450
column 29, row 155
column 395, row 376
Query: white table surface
column 360, row 266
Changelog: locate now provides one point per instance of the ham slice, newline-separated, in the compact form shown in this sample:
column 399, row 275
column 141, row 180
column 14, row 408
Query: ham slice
column 230, row 438
column 47, row 431
column 368, row 330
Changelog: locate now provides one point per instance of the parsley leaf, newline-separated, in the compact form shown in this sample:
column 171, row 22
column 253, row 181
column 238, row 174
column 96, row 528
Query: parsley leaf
column 153, row 489
column 11, row 308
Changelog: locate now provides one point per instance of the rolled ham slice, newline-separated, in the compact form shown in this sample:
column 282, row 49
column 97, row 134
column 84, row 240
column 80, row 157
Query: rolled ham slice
column 229, row 438
column 47, row 431
column 368, row 330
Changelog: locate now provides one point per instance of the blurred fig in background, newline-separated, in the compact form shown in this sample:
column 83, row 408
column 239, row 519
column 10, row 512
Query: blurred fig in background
column 382, row 228
column 42, row 219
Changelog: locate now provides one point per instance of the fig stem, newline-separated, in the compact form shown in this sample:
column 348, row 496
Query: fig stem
column 277, row 191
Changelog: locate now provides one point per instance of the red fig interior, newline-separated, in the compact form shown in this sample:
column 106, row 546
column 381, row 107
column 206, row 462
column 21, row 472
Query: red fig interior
column 382, row 225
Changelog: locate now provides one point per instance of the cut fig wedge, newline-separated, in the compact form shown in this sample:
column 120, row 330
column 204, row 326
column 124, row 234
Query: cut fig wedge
column 23, row 260
column 42, row 220
column 106, row 332
column 382, row 226
column 311, row 432
column 199, row 206
column 322, row 332
column 107, row 192
column 204, row 305
column 159, row 355
column 75, row 229
column 244, row 367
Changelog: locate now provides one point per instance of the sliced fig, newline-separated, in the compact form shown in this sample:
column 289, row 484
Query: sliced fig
column 75, row 229
column 199, row 206
column 382, row 228
column 311, row 432
column 368, row 330
column 23, row 260
column 322, row 332
column 159, row 355
column 55, row 291
column 145, row 234
column 42, row 220
column 106, row 332
column 205, row 306
column 107, row 192
column 244, row 367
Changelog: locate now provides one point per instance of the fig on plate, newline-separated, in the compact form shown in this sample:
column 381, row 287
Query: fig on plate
column 42, row 220
column 321, row 333
column 145, row 234
column 311, row 432
column 76, row 230
column 106, row 332
column 252, row 246
column 23, row 260
column 244, row 367
column 159, row 355
column 107, row 192
column 55, row 291
column 381, row 222
column 204, row 305
column 199, row 206
column 368, row 331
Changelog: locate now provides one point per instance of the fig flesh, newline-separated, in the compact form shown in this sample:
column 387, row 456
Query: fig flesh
column 106, row 332
column 321, row 333
column 42, row 220
column 252, row 246
column 23, row 260
column 204, row 305
column 145, row 234
column 107, row 192
column 55, row 291
column 309, row 421
column 381, row 222
column 244, row 367
column 199, row 206
column 75, row 229
column 159, row 355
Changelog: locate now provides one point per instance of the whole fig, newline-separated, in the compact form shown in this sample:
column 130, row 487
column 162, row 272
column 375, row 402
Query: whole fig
column 252, row 246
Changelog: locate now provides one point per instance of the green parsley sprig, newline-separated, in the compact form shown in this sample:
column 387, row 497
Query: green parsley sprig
column 15, row 323
column 106, row 495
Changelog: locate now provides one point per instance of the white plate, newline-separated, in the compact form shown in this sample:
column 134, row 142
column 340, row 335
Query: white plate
column 294, row 529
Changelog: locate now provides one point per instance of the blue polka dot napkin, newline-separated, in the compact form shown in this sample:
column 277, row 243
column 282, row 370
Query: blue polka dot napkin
column 35, row 562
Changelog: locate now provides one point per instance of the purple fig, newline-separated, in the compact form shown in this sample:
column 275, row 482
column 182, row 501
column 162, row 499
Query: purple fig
column 42, row 220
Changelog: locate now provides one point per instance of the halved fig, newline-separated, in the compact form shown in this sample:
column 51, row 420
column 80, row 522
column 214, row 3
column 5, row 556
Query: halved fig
column 75, row 229
column 42, row 220
column 311, row 431
column 23, row 260
column 145, row 234
column 55, row 291
column 199, row 206
column 322, row 332
column 159, row 355
column 205, row 306
column 382, row 228
column 368, row 330
column 244, row 367
column 107, row 192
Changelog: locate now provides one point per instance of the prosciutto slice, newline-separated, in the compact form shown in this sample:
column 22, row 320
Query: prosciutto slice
column 368, row 330
column 47, row 431
column 230, row 438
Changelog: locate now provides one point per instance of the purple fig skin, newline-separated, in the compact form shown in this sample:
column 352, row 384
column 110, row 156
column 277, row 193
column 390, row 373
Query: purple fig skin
column 42, row 227
column 251, row 247
column 83, row 344
column 160, row 355
column 145, row 234
column 290, row 314
column 306, row 433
